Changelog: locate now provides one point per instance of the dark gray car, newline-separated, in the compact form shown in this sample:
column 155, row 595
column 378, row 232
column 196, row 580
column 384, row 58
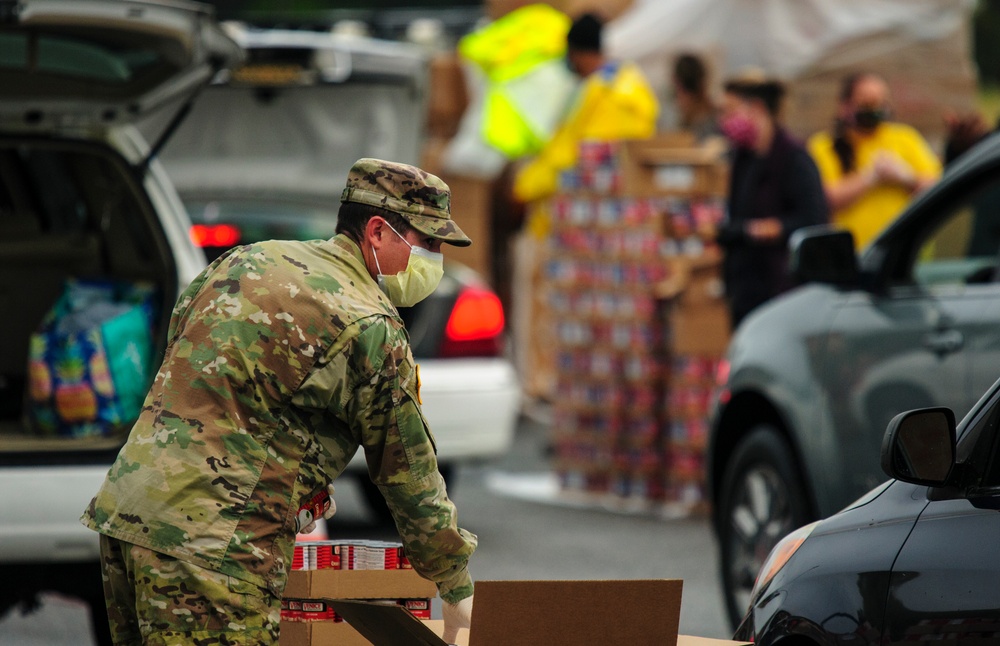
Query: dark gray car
column 811, row 380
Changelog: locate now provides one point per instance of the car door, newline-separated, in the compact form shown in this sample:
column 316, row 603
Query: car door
column 913, row 340
column 943, row 585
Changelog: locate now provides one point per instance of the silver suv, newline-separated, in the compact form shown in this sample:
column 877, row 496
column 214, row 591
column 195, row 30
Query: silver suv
column 811, row 380
column 83, row 87
column 81, row 196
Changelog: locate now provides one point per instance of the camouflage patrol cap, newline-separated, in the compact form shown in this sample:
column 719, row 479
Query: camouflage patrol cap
column 423, row 199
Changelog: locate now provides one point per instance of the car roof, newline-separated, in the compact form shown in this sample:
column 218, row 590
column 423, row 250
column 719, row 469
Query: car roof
column 338, row 57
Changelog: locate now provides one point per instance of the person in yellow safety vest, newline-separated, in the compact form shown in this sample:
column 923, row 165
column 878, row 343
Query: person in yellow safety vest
column 614, row 103
column 519, row 56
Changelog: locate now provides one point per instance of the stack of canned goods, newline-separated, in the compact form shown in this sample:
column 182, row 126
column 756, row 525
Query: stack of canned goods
column 350, row 555
column 320, row 610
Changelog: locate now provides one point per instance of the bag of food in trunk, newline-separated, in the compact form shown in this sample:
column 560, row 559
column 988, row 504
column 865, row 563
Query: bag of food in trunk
column 89, row 362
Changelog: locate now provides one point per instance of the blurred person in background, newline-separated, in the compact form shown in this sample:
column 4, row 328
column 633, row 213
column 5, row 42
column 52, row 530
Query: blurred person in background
column 615, row 102
column 774, row 189
column 964, row 132
column 871, row 167
column 695, row 110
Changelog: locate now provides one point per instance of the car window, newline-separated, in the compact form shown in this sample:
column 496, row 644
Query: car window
column 75, row 57
column 61, row 207
column 963, row 248
column 987, row 446
column 979, row 446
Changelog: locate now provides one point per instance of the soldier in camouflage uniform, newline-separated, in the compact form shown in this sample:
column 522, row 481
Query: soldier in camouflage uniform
column 283, row 358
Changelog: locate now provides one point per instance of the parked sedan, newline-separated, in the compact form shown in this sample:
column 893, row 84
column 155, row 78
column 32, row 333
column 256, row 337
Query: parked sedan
column 912, row 561
column 264, row 154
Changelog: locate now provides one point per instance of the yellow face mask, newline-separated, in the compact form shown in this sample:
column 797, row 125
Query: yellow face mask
column 423, row 272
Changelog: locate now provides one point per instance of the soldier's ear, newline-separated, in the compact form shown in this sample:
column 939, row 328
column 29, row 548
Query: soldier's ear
column 375, row 230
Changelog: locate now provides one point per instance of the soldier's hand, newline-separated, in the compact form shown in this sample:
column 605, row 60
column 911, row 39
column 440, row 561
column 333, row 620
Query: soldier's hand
column 308, row 529
column 332, row 509
column 305, row 521
column 456, row 615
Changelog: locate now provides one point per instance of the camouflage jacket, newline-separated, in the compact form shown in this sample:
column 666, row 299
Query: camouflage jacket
column 282, row 359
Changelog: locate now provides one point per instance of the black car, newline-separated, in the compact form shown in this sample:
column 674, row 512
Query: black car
column 912, row 561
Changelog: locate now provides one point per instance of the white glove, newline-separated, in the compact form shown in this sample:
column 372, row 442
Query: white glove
column 456, row 615
column 328, row 514
column 306, row 518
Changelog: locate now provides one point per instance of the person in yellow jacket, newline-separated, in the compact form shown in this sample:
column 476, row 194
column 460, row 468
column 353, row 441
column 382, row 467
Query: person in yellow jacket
column 525, row 85
column 870, row 167
column 614, row 102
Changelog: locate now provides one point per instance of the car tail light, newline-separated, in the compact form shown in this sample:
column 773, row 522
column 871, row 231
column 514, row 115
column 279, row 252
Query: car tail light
column 722, row 372
column 721, row 381
column 475, row 326
column 215, row 235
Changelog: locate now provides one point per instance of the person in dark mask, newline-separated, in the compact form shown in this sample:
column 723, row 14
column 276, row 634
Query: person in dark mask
column 774, row 189
column 871, row 166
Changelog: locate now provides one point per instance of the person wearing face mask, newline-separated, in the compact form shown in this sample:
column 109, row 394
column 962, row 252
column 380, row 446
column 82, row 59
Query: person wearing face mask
column 774, row 189
column 871, row 166
column 284, row 358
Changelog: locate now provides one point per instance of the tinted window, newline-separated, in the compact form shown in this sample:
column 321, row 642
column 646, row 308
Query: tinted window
column 74, row 64
column 964, row 247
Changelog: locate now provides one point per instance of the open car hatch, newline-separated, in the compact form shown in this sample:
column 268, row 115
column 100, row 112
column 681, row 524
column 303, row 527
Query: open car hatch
column 85, row 63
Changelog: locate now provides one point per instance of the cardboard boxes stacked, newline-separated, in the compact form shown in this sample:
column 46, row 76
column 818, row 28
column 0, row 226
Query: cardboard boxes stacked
column 374, row 571
column 636, row 308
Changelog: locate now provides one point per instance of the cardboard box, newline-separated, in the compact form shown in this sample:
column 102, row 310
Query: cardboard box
column 358, row 584
column 700, row 330
column 528, row 613
column 448, row 95
column 699, row 316
column 472, row 208
column 658, row 167
column 328, row 633
column 346, row 584
column 316, row 633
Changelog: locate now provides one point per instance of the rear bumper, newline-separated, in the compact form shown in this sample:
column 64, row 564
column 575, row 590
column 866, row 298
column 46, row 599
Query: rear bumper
column 40, row 523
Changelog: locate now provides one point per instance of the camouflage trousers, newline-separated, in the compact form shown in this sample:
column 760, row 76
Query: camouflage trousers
column 157, row 600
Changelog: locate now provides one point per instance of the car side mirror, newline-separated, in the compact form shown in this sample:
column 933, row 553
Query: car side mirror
column 919, row 446
column 823, row 254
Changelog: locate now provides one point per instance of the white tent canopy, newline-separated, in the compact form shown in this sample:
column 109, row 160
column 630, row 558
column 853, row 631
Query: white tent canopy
column 784, row 37
column 795, row 39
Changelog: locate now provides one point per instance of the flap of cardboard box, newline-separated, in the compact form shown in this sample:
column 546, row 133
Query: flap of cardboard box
column 519, row 613
column 669, row 151
column 386, row 625
column 527, row 613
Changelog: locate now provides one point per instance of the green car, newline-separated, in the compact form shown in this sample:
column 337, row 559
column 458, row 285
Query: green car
column 811, row 379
